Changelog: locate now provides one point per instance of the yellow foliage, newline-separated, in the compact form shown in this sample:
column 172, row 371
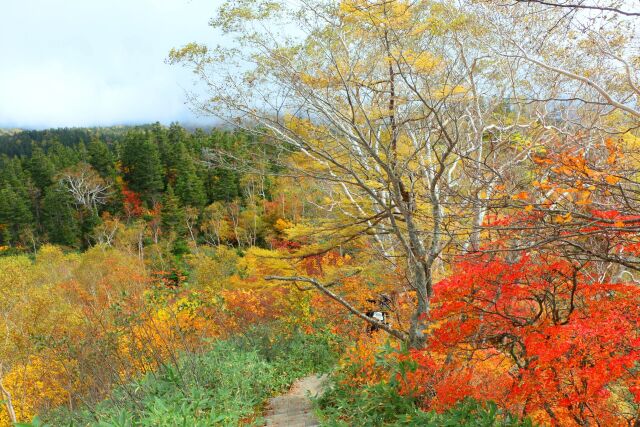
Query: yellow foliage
column 212, row 272
column 421, row 62
column 562, row 219
column 584, row 197
column 258, row 263
column 282, row 224
column 630, row 141
column 396, row 14
column 40, row 384
column 448, row 91
column 320, row 79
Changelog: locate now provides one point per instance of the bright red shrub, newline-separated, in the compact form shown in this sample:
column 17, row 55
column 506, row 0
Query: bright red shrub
column 540, row 335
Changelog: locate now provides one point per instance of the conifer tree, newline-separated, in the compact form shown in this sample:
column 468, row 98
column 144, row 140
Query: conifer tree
column 59, row 217
column 13, row 175
column 64, row 156
column 89, row 220
column 223, row 185
column 176, row 133
column 172, row 216
column 189, row 185
column 141, row 166
column 159, row 137
column 100, row 158
column 15, row 216
column 41, row 169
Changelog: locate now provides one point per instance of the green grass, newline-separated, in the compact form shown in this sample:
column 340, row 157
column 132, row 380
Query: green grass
column 222, row 386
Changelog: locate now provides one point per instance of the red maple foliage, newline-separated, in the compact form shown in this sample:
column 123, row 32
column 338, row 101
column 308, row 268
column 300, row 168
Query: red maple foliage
column 131, row 202
column 540, row 335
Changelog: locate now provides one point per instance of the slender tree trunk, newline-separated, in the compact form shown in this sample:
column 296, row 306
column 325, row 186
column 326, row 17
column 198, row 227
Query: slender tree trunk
column 417, row 336
column 421, row 263
column 7, row 400
column 473, row 243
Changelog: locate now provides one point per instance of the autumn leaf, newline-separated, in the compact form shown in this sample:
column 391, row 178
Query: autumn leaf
column 523, row 195
column 612, row 180
column 562, row 219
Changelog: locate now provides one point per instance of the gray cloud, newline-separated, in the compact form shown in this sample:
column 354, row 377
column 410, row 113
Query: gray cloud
column 96, row 62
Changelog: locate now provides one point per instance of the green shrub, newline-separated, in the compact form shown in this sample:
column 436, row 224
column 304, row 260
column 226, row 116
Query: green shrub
column 315, row 352
column 219, row 387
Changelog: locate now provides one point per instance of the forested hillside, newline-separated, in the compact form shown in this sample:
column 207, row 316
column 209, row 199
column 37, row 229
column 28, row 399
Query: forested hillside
column 435, row 203
column 74, row 187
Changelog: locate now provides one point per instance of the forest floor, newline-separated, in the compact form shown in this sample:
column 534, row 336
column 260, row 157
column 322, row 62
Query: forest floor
column 294, row 408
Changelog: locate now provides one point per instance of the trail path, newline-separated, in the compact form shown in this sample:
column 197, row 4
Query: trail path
column 294, row 408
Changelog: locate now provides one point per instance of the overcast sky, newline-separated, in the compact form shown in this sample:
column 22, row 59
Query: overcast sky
column 97, row 62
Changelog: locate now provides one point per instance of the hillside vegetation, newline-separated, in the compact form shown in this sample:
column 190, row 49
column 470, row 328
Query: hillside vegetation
column 437, row 202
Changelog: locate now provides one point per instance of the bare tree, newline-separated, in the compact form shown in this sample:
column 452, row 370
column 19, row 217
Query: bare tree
column 86, row 186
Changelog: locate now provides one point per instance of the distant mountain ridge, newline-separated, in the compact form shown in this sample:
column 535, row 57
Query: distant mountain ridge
column 9, row 131
column 20, row 142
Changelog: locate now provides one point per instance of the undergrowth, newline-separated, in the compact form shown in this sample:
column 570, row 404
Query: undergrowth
column 380, row 404
column 223, row 386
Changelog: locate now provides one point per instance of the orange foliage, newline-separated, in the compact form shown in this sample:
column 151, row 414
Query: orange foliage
column 359, row 361
column 244, row 307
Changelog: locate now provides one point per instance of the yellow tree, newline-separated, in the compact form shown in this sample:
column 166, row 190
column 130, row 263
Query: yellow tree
column 32, row 309
column 387, row 106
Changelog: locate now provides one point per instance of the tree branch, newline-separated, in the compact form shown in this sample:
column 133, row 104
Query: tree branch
column 581, row 6
column 7, row 400
column 402, row 336
column 599, row 89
